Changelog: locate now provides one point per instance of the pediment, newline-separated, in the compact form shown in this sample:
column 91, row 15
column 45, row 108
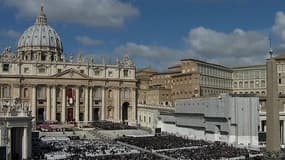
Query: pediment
column 71, row 73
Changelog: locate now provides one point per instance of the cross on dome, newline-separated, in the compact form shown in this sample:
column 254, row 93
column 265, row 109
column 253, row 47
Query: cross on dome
column 41, row 18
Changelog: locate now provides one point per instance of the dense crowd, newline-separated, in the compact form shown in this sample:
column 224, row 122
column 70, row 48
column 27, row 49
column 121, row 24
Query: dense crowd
column 162, row 142
column 146, row 148
column 86, row 149
column 216, row 150
column 107, row 125
column 183, row 148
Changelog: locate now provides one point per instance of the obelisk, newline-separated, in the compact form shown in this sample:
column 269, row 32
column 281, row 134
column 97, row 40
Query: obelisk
column 272, row 107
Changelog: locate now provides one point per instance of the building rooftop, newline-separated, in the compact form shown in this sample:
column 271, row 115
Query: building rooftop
column 249, row 66
column 204, row 62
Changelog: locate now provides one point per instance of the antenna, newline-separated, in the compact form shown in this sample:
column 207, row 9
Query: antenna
column 270, row 47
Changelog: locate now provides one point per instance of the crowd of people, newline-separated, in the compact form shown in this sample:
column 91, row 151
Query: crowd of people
column 162, row 142
column 146, row 147
column 183, row 148
column 86, row 149
column 216, row 150
column 107, row 125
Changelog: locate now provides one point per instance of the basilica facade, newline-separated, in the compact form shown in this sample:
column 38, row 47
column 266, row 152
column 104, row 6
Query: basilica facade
column 64, row 89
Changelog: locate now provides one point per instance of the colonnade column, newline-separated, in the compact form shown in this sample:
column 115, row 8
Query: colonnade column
column 91, row 104
column 48, row 104
column 77, row 104
column 53, row 105
column 86, row 102
column 8, row 142
column 25, row 144
column 63, row 102
column 103, row 107
column 34, row 101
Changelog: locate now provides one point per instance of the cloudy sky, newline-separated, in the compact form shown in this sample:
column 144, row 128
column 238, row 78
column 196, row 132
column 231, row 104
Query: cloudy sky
column 156, row 33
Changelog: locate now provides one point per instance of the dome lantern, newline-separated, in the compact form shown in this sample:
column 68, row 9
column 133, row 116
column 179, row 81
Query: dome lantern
column 41, row 18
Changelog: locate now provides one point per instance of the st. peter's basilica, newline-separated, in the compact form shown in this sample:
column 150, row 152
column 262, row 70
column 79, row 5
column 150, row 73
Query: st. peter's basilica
column 64, row 89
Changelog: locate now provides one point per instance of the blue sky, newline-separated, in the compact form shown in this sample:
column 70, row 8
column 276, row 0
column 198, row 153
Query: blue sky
column 156, row 33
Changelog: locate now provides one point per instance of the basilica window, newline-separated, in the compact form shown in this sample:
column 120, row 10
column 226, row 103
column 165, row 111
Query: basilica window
column 43, row 57
column 97, row 92
column 126, row 93
column 110, row 94
column 26, row 70
column 6, row 91
column 5, row 68
column 41, row 92
column 42, row 70
column 81, row 93
column 110, row 74
column 97, row 72
column 58, row 92
column 26, row 92
column 126, row 73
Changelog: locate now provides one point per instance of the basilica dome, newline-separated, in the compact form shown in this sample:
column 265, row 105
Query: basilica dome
column 40, row 41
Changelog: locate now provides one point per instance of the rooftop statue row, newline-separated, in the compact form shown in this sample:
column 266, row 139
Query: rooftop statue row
column 8, row 56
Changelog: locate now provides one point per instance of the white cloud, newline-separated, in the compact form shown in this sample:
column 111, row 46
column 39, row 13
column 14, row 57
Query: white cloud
column 157, row 56
column 104, row 13
column 279, row 27
column 238, row 47
column 87, row 41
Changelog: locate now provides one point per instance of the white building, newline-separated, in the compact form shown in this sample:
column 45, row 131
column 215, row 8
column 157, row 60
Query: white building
column 225, row 118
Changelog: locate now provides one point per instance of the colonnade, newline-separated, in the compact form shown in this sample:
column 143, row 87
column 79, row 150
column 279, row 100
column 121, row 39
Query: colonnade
column 19, row 143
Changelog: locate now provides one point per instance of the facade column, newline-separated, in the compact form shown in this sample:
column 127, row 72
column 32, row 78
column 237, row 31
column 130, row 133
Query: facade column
column 283, row 130
column 53, row 105
column 48, row 104
column 91, row 104
column 86, row 102
column 118, row 107
column 34, row 103
column 77, row 104
column 63, row 102
column 103, row 107
column 25, row 144
column 134, row 104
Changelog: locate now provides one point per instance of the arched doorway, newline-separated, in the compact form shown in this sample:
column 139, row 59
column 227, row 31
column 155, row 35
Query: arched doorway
column 125, row 111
